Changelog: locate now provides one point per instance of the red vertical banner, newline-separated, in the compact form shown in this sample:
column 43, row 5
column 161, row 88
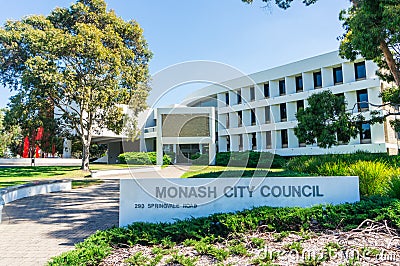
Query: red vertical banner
column 37, row 155
column 39, row 134
column 26, row 148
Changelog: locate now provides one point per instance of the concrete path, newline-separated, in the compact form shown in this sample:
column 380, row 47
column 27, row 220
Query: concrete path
column 37, row 228
column 173, row 171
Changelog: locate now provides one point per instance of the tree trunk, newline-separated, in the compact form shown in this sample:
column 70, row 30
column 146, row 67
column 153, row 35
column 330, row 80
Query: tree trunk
column 391, row 62
column 85, row 154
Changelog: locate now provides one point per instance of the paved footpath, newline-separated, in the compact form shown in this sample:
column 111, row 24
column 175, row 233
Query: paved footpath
column 37, row 228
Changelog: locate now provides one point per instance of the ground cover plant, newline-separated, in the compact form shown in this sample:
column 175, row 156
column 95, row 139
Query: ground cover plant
column 222, row 238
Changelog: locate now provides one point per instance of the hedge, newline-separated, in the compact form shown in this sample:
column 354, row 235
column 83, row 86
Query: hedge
column 250, row 159
column 143, row 158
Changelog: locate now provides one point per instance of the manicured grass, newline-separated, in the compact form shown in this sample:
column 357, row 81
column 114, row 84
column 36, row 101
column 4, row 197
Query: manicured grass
column 224, row 171
column 11, row 176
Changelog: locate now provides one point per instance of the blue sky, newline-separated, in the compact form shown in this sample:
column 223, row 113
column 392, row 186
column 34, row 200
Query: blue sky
column 248, row 37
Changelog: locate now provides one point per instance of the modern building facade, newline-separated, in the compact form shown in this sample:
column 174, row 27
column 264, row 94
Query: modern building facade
column 258, row 112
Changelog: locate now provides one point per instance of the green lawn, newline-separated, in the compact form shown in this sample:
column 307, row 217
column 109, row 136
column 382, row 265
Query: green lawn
column 19, row 175
column 224, row 171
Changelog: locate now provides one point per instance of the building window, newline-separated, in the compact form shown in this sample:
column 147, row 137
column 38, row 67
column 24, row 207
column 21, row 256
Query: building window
column 317, row 79
column 268, row 140
column 338, row 75
column 253, row 117
column 365, row 133
column 267, row 114
column 300, row 105
column 359, row 69
column 266, row 90
column 362, row 100
column 252, row 94
column 284, row 137
column 239, row 97
column 254, row 141
column 240, row 142
column 228, row 143
column 283, row 112
column 227, row 121
column 227, row 98
column 299, row 83
column 240, row 118
column 282, row 87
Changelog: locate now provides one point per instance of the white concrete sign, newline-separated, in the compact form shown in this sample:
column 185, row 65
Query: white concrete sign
column 165, row 200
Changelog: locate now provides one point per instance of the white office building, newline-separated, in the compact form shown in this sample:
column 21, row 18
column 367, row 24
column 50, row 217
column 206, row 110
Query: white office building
column 257, row 112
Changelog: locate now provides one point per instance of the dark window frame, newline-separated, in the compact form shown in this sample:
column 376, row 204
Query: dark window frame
column 266, row 90
column 317, row 82
column 283, row 110
column 253, row 118
column 284, row 138
column 365, row 134
column 337, row 81
column 268, row 139
column 227, row 98
column 252, row 94
column 240, row 118
column 301, row 105
column 267, row 110
column 254, row 141
column 362, row 105
column 282, row 87
column 299, row 83
column 239, row 97
column 356, row 71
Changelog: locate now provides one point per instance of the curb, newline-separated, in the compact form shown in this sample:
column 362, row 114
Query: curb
column 13, row 193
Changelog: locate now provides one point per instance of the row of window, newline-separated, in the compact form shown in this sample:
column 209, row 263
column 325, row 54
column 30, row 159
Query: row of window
column 362, row 106
column 359, row 70
column 365, row 137
column 267, row 112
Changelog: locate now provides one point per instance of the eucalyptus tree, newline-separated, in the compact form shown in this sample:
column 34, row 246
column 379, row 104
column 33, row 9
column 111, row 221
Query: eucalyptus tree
column 85, row 60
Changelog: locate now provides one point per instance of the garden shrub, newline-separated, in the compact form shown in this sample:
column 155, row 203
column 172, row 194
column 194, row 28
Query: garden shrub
column 377, row 173
column 394, row 185
column 250, row 159
column 374, row 177
column 142, row 158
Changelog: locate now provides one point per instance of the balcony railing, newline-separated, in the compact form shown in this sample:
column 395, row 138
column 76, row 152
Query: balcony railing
column 150, row 129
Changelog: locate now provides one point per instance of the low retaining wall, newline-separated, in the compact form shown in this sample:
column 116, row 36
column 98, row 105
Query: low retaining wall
column 13, row 193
